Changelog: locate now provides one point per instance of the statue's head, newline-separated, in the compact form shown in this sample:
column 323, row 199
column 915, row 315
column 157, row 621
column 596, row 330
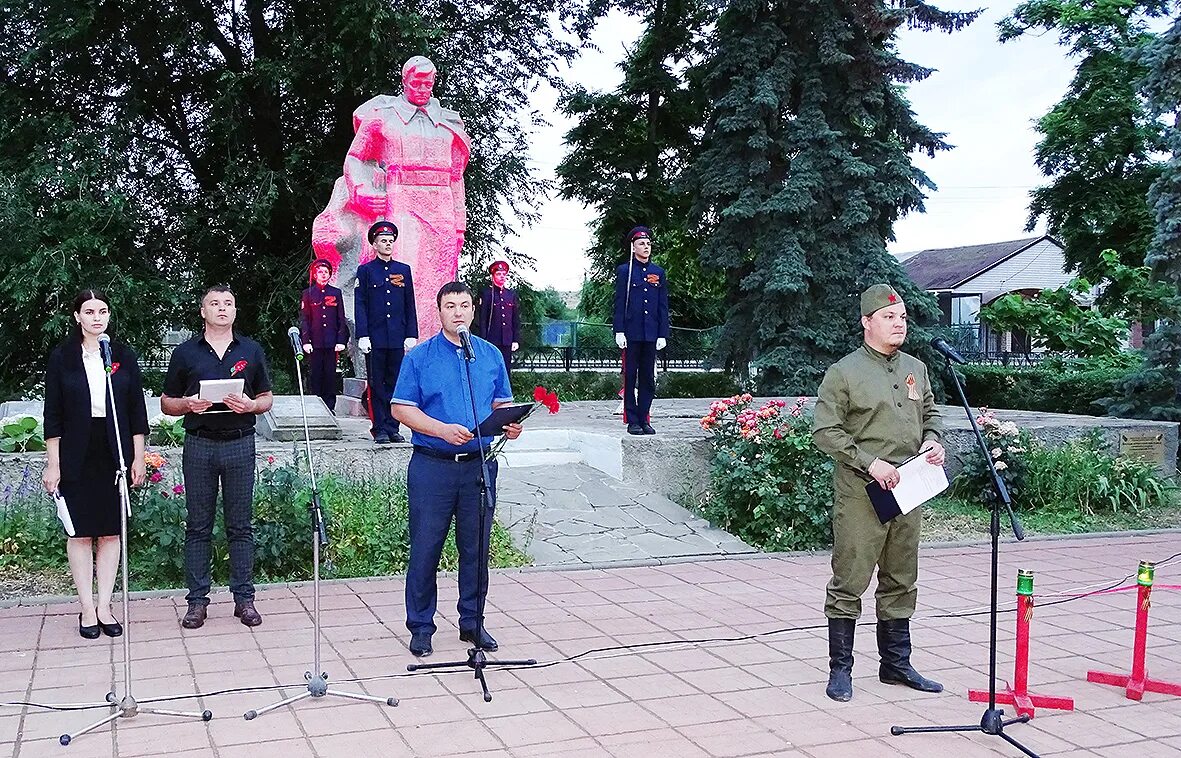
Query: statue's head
column 418, row 79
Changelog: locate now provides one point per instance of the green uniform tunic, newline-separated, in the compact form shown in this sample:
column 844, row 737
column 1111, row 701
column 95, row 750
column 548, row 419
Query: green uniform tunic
column 865, row 410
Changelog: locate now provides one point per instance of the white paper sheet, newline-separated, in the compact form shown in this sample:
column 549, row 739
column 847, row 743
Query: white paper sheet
column 918, row 482
column 63, row 513
column 215, row 390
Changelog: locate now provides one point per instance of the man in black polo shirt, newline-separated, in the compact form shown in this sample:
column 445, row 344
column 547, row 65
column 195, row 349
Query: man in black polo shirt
column 219, row 448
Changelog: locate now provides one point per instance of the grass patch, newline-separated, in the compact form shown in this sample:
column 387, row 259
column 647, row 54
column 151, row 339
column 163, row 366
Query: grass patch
column 953, row 518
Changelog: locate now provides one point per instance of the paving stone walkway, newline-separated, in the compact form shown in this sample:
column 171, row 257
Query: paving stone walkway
column 574, row 515
column 728, row 659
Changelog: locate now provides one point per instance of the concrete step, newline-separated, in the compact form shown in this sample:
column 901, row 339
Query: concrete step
column 526, row 458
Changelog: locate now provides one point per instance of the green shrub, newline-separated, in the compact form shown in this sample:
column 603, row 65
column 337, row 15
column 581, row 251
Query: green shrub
column 1082, row 475
column 22, row 434
column 570, row 385
column 1009, row 447
column 1057, row 385
column 769, row 485
column 366, row 521
column 1079, row 476
column 696, row 384
column 167, row 431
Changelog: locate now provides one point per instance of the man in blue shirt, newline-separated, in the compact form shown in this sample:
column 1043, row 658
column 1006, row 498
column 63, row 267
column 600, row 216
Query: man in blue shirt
column 641, row 327
column 433, row 398
column 387, row 326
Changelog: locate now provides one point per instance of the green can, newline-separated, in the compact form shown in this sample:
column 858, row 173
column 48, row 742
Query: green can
column 1024, row 582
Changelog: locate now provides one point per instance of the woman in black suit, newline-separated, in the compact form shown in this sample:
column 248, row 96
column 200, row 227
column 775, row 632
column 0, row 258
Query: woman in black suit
column 82, row 462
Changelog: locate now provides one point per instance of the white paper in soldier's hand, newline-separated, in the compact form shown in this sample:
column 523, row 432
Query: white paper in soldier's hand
column 63, row 513
column 918, row 482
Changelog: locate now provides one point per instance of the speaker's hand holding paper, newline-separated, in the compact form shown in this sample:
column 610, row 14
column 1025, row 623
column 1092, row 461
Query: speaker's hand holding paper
column 239, row 403
column 197, row 405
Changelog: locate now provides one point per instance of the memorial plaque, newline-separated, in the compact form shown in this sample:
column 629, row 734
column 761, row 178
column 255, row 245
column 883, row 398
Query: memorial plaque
column 1147, row 446
column 284, row 421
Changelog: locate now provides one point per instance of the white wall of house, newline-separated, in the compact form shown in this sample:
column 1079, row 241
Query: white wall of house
column 1039, row 267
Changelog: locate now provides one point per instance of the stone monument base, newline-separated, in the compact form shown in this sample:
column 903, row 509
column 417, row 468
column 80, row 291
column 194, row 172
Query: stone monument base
column 284, row 421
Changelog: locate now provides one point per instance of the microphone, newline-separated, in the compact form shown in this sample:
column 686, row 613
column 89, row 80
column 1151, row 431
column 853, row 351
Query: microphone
column 947, row 350
column 104, row 347
column 296, row 346
column 465, row 339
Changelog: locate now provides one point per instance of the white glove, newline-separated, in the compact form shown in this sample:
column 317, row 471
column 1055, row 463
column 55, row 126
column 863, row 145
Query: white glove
column 621, row 340
column 409, row 343
column 339, row 348
column 307, row 348
column 516, row 346
column 660, row 343
column 364, row 345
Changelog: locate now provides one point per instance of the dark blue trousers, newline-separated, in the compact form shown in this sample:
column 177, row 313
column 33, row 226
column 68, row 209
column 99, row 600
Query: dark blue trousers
column 439, row 491
column 321, row 366
column 639, row 381
column 383, row 366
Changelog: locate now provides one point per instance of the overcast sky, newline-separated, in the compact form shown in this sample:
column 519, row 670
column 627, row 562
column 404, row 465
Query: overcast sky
column 984, row 95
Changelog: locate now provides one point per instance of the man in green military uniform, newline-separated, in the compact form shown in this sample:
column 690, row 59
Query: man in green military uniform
column 875, row 410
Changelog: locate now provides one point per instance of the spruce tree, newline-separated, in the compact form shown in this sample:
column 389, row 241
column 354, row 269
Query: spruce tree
column 1153, row 391
column 805, row 166
column 628, row 155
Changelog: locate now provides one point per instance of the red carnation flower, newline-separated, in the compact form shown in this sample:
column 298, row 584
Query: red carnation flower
column 551, row 402
column 238, row 368
column 114, row 368
column 539, row 394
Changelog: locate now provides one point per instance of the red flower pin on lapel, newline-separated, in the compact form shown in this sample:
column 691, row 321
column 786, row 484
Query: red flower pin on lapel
column 114, row 368
column 238, row 368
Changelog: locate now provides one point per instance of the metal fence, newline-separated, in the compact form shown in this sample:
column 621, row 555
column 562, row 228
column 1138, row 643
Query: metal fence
column 979, row 344
column 571, row 345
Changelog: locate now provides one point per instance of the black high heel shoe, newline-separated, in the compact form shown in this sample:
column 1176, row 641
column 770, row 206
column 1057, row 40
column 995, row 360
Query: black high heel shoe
column 88, row 632
column 113, row 629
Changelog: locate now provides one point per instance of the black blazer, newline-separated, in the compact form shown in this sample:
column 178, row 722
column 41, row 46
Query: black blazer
column 67, row 404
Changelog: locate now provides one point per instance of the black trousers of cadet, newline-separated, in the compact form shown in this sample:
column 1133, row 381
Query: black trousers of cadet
column 639, row 381
column 384, row 365
column 322, row 375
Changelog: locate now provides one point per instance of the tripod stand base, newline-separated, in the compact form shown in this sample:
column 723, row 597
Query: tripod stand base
column 128, row 708
column 993, row 722
column 318, row 687
column 477, row 660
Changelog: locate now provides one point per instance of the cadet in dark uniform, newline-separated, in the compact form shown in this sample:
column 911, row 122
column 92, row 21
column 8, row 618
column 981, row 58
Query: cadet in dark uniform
column 443, row 478
column 387, row 326
column 324, row 330
column 641, row 327
column 500, row 314
column 874, row 410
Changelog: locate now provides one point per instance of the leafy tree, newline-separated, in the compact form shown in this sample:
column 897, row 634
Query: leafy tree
column 1099, row 142
column 804, row 168
column 1153, row 391
column 1054, row 319
column 222, row 128
column 628, row 156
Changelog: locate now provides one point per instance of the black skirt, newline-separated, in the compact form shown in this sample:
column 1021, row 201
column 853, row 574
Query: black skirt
column 93, row 498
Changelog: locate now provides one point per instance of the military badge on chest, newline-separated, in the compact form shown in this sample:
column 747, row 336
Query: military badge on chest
column 912, row 389
column 398, row 280
column 330, row 301
column 653, row 279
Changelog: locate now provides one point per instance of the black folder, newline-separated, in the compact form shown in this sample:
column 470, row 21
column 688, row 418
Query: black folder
column 493, row 426
column 884, row 502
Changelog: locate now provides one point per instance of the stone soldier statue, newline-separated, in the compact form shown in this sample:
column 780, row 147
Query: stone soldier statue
column 874, row 410
column 405, row 165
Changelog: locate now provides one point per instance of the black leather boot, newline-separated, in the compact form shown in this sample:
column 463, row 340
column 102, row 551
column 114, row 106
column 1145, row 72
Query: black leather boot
column 894, row 649
column 840, row 659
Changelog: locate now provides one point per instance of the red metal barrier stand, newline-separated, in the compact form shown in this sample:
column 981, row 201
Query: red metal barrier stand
column 1138, row 683
column 1018, row 694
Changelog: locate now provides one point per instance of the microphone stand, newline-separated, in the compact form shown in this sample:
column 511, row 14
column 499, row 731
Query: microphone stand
column 126, row 707
column 993, row 721
column 316, row 678
column 477, row 660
